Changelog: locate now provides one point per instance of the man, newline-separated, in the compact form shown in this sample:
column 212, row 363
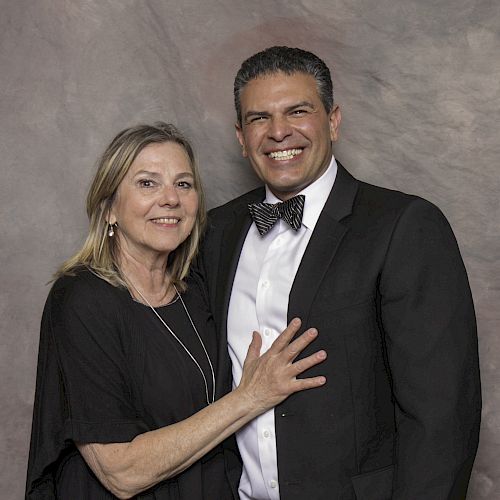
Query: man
column 377, row 272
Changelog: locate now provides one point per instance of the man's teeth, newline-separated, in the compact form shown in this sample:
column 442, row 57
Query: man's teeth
column 288, row 154
column 166, row 220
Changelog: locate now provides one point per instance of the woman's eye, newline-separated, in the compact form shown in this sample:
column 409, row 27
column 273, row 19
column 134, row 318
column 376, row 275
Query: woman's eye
column 146, row 183
column 184, row 185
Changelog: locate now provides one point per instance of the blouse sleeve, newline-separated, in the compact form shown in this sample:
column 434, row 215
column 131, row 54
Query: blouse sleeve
column 84, row 390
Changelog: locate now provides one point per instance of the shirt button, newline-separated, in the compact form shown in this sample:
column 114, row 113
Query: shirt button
column 273, row 483
column 265, row 284
column 266, row 433
column 267, row 332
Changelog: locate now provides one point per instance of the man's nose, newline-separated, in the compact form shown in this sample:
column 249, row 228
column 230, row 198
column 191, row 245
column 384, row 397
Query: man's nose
column 169, row 196
column 279, row 128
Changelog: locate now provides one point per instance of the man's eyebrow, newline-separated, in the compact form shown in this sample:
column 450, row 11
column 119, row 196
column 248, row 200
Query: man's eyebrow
column 301, row 104
column 251, row 112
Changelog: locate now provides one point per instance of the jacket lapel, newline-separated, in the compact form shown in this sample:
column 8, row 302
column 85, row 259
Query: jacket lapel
column 233, row 237
column 323, row 245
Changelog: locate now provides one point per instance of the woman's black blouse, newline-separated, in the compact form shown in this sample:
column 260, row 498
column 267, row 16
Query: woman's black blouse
column 109, row 370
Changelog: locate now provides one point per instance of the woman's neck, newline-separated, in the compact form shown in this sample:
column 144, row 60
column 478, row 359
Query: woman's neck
column 147, row 279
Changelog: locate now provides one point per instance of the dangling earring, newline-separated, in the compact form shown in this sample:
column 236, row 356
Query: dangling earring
column 111, row 230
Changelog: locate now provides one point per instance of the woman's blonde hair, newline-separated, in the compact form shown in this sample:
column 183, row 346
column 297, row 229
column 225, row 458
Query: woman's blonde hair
column 99, row 252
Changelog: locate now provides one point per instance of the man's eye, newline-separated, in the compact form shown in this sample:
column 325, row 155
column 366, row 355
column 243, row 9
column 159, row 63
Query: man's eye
column 257, row 119
column 299, row 112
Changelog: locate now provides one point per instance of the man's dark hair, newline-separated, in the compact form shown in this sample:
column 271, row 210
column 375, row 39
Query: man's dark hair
column 289, row 61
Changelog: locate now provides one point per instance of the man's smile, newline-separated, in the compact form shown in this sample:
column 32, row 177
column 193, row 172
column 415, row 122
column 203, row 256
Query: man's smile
column 286, row 154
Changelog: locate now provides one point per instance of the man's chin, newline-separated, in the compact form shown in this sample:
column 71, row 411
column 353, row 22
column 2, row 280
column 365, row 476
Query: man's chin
column 285, row 191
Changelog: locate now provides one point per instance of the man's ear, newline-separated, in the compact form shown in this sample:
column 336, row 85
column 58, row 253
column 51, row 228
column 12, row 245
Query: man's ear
column 335, row 118
column 241, row 139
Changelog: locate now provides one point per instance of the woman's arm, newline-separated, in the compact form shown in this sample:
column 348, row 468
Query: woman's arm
column 126, row 469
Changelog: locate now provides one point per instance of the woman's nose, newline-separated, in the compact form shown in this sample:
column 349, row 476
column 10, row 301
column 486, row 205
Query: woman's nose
column 169, row 196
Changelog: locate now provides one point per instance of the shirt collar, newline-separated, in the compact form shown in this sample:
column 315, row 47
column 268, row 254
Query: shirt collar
column 316, row 195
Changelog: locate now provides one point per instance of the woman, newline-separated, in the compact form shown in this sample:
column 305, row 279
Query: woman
column 125, row 392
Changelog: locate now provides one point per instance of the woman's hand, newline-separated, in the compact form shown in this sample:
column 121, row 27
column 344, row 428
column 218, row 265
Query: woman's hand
column 269, row 379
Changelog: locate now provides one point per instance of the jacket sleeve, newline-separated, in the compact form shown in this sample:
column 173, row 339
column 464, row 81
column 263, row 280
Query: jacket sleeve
column 427, row 318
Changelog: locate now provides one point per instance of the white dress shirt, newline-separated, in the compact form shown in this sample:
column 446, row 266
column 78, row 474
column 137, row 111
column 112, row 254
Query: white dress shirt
column 259, row 301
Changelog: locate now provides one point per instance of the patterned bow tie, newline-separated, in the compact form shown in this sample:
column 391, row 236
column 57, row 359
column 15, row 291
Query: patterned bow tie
column 265, row 215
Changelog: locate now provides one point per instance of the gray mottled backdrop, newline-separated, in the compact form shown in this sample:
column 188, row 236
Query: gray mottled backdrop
column 418, row 82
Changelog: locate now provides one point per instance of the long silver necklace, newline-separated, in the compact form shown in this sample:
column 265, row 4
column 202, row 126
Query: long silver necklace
column 182, row 343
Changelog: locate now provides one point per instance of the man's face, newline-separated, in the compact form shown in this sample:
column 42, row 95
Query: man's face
column 285, row 132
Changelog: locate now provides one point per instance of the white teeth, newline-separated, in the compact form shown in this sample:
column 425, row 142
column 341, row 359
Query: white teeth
column 287, row 154
column 166, row 220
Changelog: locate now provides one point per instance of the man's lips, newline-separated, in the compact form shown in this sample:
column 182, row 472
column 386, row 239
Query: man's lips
column 285, row 154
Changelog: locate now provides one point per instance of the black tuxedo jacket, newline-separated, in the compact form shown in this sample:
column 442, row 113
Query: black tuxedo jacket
column 383, row 281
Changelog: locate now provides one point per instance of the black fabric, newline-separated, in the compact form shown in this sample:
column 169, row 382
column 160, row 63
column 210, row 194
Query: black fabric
column 108, row 370
column 383, row 282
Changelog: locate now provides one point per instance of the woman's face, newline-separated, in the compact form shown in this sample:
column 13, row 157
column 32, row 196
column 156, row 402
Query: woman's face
column 156, row 203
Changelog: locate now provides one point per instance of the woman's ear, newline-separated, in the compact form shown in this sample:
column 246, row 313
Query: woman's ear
column 111, row 219
column 109, row 215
